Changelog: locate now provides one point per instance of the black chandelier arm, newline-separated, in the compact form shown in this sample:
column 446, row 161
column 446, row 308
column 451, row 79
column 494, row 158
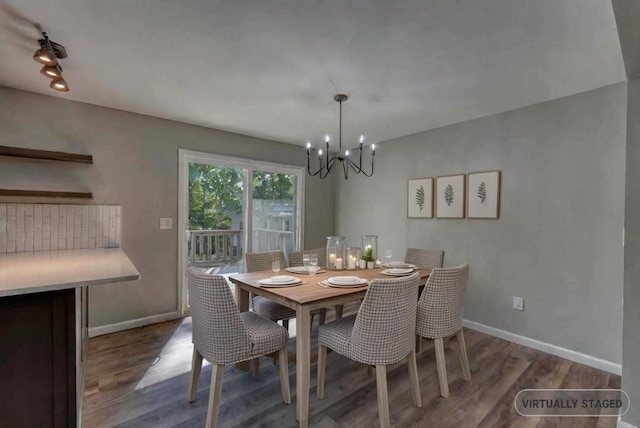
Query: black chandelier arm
column 358, row 168
column 323, row 169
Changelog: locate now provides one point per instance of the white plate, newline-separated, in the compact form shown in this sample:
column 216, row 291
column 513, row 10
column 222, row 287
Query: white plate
column 301, row 270
column 267, row 282
column 342, row 280
column 397, row 272
column 361, row 283
column 398, row 265
column 283, row 278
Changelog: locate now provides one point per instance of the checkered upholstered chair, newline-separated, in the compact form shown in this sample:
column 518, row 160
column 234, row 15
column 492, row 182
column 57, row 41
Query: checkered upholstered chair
column 425, row 258
column 223, row 335
column 380, row 334
column 259, row 261
column 295, row 257
column 440, row 313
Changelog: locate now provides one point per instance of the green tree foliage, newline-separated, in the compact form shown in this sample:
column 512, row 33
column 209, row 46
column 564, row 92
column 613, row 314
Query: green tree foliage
column 215, row 193
column 270, row 186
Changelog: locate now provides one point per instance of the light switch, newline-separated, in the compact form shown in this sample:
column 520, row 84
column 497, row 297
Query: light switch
column 166, row 223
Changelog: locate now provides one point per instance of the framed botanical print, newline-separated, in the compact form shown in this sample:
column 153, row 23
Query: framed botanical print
column 450, row 196
column 483, row 200
column 420, row 198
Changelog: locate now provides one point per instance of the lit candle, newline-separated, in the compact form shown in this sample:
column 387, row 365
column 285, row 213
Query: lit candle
column 352, row 262
column 332, row 259
column 373, row 149
column 308, row 147
column 338, row 263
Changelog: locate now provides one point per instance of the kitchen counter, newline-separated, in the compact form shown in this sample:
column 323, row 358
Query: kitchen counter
column 38, row 271
column 43, row 331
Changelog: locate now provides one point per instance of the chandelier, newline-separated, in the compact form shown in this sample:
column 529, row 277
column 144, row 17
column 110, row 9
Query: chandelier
column 328, row 161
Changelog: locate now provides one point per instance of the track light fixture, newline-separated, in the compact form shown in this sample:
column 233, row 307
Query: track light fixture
column 48, row 55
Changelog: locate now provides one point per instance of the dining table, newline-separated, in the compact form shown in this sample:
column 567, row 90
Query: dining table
column 305, row 298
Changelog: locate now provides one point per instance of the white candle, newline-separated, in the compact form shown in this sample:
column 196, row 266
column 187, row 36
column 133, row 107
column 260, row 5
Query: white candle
column 352, row 262
column 332, row 259
column 338, row 263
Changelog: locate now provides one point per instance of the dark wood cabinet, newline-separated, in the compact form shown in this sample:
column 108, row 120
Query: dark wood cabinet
column 38, row 352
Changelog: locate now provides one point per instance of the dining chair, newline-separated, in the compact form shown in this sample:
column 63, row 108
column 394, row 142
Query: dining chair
column 259, row 261
column 222, row 335
column 425, row 258
column 296, row 259
column 380, row 334
column 440, row 314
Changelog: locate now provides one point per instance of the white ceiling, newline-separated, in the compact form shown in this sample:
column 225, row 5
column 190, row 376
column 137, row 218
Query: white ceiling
column 270, row 68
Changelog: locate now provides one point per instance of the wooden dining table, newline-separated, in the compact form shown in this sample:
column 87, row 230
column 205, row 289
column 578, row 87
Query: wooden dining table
column 304, row 299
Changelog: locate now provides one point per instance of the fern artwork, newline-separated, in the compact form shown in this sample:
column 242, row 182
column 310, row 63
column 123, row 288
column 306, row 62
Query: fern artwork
column 420, row 197
column 448, row 194
column 482, row 192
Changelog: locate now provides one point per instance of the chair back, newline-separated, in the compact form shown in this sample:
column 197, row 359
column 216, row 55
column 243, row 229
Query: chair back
column 425, row 258
column 384, row 329
column 441, row 305
column 258, row 261
column 218, row 331
column 295, row 257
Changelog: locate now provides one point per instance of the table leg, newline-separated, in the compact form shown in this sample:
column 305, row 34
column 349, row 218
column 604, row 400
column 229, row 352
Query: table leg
column 303, row 365
column 242, row 297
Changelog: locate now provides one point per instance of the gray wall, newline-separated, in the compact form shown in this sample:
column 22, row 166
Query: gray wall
column 558, row 242
column 136, row 166
column 631, row 330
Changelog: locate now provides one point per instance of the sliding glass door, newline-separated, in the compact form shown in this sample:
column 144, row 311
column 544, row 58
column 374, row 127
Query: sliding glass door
column 230, row 206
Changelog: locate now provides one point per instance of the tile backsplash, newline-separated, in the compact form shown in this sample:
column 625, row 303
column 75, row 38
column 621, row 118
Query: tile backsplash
column 45, row 227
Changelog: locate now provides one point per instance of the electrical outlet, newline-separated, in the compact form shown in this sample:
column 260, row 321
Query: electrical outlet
column 518, row 303
column 166, row 223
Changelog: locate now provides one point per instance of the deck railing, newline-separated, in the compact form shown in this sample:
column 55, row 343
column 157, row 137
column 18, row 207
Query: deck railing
column 214, row 247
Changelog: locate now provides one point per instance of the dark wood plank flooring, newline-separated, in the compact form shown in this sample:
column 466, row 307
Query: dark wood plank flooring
column 139, row 378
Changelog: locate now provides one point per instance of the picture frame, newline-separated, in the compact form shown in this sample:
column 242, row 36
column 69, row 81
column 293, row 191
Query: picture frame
column 483, row 196
column 420, row 198
column 450, row 196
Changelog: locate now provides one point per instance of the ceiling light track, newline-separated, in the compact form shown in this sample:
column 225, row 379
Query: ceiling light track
column 48, row 55
column 344, row 158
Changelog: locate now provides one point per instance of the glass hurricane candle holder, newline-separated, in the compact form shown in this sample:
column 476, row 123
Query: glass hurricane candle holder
column 336, row 252
column 352, row 258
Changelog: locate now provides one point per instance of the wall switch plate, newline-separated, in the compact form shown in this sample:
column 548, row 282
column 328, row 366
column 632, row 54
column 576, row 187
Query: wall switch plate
column 166, row 223
column 518, row 303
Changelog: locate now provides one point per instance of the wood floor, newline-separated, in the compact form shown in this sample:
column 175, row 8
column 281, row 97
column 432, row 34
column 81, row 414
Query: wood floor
column 139, row 378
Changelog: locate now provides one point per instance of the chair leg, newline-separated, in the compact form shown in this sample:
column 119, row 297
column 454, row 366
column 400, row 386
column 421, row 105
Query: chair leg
column 413, row 378
column 196, row 365
column 369, row 370
column 284, row 375
column 419, row 345
column 285, row 324
column 441, row 362
column 339, row 309
column 256, row 366
column 215, row 395
column 322, row 362
column 383, row 396
column 464, row 360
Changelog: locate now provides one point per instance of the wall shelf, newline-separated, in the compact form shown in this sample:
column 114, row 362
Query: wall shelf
column 46, row 193
column 44, row 154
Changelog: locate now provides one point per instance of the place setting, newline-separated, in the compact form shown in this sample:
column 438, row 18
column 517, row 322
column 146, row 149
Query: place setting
column 280, row 281
column 310, row 266
column 344, row 282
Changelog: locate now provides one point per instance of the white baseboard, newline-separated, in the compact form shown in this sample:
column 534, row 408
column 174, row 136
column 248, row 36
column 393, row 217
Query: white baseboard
column 623, row 424
column 558, row 351
column 126, row 325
